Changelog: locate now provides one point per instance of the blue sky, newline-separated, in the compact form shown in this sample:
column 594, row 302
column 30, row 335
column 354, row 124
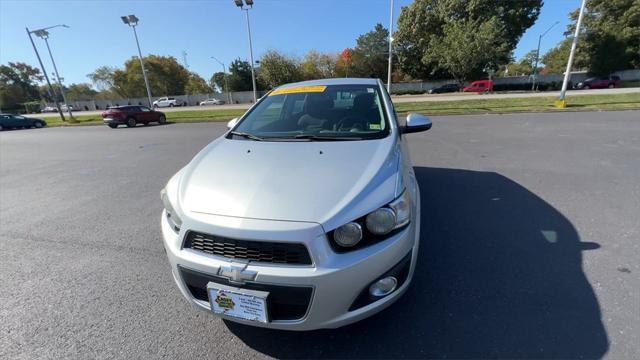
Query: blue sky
column 204, row 28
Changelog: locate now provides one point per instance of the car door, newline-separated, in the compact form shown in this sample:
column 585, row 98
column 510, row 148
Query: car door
column 146, row 115
column 17, row 120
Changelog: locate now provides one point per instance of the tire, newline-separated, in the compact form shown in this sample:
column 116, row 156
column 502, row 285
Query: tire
column 162, row 120
column 1, row 127
column 37, row 124
column 611, row 86
column 113, row 126
column 170, row 105
column 131, row 122
column 586, row 87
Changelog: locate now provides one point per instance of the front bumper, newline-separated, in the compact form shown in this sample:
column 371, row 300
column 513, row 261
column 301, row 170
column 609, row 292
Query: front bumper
column 335, row 281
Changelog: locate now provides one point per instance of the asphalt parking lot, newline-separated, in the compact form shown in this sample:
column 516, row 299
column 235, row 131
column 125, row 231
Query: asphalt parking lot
column 529, row 248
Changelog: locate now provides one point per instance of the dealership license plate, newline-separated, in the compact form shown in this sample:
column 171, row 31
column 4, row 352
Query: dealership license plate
column 238, row 303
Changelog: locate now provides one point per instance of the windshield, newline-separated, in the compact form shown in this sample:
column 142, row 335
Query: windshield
column 333, row 112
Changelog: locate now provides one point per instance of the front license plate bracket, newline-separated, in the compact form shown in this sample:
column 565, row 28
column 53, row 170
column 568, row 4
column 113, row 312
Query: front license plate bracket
column 238, row 303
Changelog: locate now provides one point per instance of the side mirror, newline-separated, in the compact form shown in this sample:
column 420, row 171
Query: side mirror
column 232, row 123
column 416, row 123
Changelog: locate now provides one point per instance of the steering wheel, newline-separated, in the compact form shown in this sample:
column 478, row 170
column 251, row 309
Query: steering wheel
column 351, row 122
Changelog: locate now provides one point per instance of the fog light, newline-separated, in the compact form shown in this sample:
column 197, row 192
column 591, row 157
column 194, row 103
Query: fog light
column 383, row 286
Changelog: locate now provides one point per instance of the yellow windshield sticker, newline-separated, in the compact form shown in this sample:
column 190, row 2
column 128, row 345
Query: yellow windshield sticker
column 299, row 89
column 375, row 127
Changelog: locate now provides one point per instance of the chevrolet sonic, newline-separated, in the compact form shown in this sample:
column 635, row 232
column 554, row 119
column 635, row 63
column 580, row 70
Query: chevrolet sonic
column 304, row 215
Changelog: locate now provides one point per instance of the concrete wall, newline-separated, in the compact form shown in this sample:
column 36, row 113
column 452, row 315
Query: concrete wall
column 240, row 97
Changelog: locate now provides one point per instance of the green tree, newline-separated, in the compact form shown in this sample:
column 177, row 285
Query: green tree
column 524, row 66
column 424, row 28
column 611, row 35
column 18, row 84
column 102, row 77
column 555, row 60
column 370, row 56
column 217, row 81
column 239, row 78
column 197, row 85
column 80, row 92
column 277, row 69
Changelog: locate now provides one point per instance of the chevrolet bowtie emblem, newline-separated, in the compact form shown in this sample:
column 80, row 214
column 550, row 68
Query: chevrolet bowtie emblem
column 237, row 274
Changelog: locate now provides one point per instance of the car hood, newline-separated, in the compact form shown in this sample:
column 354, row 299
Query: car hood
column 323, row 182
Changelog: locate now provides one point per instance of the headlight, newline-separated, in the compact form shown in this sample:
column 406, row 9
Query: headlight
column 381, row 221
column 348, row 235
column 378, row 223
column 172, row 216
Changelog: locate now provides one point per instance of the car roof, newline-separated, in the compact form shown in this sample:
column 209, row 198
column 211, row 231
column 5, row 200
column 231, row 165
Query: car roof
column 335, row 81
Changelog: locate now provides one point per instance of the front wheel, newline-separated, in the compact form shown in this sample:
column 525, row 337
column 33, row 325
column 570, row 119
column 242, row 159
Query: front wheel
column 131, row 122
column 170, row 105
column 587, row 87
column 611, row 86
column 162, row 120
column 37, row 124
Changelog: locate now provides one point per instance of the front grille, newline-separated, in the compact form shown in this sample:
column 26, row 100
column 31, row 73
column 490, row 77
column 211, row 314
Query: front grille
column 258, row 251
column 283, row 302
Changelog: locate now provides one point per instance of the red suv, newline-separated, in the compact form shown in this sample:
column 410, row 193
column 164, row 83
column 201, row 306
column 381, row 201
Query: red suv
column 132, row 115
column 599, row 83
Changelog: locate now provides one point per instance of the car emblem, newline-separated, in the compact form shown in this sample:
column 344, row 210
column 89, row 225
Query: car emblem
column 237, row 274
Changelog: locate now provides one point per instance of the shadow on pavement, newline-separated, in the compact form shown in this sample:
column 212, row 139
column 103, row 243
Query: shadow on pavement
column 499, row 275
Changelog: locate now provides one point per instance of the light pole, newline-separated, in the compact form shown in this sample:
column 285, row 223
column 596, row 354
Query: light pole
column 535, row 68
column 224, row 76
column 390, row 48
column 44, row 34
column 241, row 5
column 51, row 92
column 561, row 103
column 132, row 21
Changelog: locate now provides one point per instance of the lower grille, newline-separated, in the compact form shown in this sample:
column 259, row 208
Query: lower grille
column 258, row 251
column 283, row 302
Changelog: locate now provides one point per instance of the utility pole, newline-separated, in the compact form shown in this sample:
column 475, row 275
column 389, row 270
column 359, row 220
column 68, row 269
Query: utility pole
column 390, row 48
column 224, row 76
column 45, row 35
column 51, row 92
column 562, row 103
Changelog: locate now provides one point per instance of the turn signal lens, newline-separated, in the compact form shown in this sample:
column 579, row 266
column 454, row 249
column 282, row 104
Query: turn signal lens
column 402, row 208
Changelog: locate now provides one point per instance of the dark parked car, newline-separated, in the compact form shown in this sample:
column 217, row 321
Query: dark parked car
column 447, row 88
column 599, row 82
column 10, row 121
column 131, row 115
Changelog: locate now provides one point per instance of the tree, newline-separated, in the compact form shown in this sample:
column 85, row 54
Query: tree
column 102, row 77
column 463, row 53
column 555, row 60
column 277, row 69
column 239, row 78
column 80, row 92
column 611, row 35
column 370, row 56
column 318, row 65
column 524, row 66
column 425, row 27
column 217, row 81
column 197, row 85
column 18, row 84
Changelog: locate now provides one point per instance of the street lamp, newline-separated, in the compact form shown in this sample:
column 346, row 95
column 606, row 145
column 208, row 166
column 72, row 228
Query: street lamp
column 44, row 34
column 535, row 68
column 249, row 5
column 224, row 76
column 44, row 72
column 390, row 48
column 132, row 21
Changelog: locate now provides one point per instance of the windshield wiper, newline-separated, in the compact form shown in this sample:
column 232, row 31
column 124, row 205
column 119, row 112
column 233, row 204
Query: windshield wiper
column 326, row 138
column 246, row 135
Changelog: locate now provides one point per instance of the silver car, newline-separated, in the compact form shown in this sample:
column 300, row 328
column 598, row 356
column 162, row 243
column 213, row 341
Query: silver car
column 304, row 215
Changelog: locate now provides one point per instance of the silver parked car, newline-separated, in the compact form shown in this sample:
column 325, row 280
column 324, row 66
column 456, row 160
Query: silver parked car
column 211, row 102
column 304, row 215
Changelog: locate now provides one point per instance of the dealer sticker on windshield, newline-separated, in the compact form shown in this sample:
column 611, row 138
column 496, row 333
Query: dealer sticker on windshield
column 238, row 303
column 299, row 89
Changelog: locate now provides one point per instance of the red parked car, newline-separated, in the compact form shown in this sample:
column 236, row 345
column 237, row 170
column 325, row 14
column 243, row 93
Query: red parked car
column 599, row 83
column 131, row 115
column 479, row 86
